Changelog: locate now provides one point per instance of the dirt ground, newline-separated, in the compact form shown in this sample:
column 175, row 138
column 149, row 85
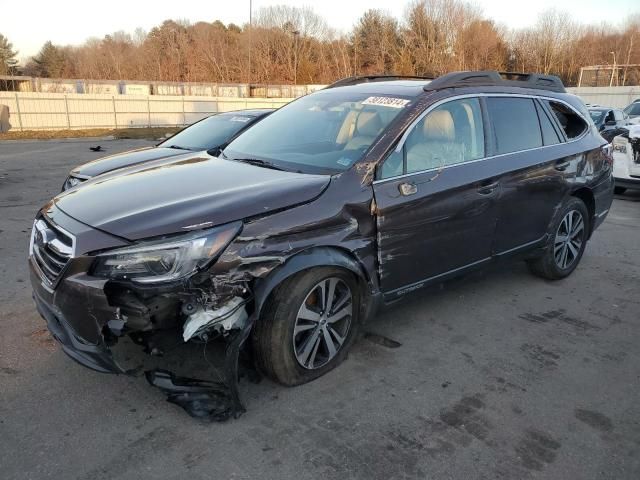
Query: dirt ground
column 121, row 133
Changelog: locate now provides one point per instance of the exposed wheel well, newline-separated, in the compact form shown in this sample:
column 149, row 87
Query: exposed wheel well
column 586, row 195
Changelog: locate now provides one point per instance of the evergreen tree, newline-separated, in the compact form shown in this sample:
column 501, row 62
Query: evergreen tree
column 50, row 61
column 8, row 61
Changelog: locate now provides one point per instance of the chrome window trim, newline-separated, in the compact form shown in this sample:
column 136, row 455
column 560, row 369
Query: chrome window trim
column 409, row 129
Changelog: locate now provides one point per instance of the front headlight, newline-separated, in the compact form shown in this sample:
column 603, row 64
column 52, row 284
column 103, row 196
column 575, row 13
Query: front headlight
column 71, row 182
column 167, row 259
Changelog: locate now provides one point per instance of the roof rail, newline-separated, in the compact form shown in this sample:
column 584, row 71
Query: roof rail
column 499, row 79
column 344, row 82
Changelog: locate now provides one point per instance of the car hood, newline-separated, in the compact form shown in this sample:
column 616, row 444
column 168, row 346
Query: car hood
column 191, row 192
column 120, row 160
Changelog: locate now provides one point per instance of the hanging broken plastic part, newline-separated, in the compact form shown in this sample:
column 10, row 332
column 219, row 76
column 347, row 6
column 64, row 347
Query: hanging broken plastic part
column 202, row 399
column 231, row 315
column 210, row 401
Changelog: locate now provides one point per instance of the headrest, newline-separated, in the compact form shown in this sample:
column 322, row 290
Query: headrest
column 439, row 126
column 368, row 124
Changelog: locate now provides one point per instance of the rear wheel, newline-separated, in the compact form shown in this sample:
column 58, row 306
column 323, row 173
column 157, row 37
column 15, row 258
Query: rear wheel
column 619, row 190
column 568, row 239
column 308, row 325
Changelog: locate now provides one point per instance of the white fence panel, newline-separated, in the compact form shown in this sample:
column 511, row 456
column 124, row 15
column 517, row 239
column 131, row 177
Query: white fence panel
column 58, row 111
column 618, row 97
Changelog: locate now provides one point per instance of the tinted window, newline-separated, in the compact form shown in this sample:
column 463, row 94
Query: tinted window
column 633, row 109
column 596, row 115
column 549, row 134
column 325, row 132
column 210, row 132
column 569, row 120
column 515, row 124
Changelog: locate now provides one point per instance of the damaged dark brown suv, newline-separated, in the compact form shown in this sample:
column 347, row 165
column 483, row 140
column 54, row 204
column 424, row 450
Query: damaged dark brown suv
column 335, row 204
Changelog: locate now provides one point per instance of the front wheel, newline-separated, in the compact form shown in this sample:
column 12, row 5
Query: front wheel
column 308, row 325
column 568, row 239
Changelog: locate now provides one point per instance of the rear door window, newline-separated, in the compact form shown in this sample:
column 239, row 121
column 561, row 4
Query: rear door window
column 572, row 124
column 515, row 124
column 549, row 134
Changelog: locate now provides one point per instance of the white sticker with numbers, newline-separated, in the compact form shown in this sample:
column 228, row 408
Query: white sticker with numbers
column 386, row 102
column 240, row 119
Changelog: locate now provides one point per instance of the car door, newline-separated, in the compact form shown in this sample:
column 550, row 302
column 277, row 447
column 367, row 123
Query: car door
column 529, row 146
column 436, row 199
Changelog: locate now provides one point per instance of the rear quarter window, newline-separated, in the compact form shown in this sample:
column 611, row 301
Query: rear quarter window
column 515, row 124
column 572, row 124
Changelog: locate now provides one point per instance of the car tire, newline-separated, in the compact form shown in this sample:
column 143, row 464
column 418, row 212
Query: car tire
column 296, row 325
column 619, row 190
column 568, row 238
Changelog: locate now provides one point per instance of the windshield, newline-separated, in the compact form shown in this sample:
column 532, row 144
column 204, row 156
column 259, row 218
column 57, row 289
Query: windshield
column 210, row 132
column 326, row 132
column 596, row 115
column 633, row 109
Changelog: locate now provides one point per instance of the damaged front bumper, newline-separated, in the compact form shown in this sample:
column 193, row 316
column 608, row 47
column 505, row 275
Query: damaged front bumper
column 89, row 317
column 95, row 356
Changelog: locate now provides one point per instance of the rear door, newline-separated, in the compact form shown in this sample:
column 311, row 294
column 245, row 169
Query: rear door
column 436, row 199
column 540, row 170
column 526, row 142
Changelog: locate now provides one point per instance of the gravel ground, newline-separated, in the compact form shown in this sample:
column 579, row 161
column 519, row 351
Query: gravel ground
column 498, row 375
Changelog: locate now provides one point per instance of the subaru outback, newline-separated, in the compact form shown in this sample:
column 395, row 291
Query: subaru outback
column 334, row 205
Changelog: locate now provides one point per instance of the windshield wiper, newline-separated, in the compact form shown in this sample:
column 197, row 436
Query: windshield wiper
column 257, row 162
column 180, row 148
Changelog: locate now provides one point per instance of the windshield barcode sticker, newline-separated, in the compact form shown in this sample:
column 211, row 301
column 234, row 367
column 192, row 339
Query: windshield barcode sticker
column 240, row 119
column 386, row 102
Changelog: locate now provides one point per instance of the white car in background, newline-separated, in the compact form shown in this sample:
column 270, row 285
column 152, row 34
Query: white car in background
column 626, row 160
column 633, row 111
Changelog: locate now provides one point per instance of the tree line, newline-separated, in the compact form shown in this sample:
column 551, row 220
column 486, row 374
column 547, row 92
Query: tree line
column 295, row 45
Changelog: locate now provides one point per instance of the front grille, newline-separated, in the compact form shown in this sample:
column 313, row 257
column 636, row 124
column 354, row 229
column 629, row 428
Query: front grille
column 51, row 249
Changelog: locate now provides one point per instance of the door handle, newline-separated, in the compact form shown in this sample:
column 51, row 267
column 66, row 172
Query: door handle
column 562, row 166
column 408, row 188
column 487, row 189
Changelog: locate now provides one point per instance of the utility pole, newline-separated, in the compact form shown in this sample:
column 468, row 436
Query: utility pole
column 250, row 42
column 296, row 34
column 624, row 75
column 613, row 72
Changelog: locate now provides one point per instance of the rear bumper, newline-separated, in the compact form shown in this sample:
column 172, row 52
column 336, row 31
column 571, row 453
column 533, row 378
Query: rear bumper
column 629, row 182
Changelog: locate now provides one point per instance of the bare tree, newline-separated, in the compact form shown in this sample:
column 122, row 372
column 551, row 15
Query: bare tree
column 291, row 44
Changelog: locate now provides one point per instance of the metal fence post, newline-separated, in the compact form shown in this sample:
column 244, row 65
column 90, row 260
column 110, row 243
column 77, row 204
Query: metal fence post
column 18, row 109
column 148, row 111
column 115, row 115
column 66, row 110
column 184, row 115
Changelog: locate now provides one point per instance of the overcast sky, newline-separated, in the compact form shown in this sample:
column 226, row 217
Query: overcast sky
column 30, row 23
